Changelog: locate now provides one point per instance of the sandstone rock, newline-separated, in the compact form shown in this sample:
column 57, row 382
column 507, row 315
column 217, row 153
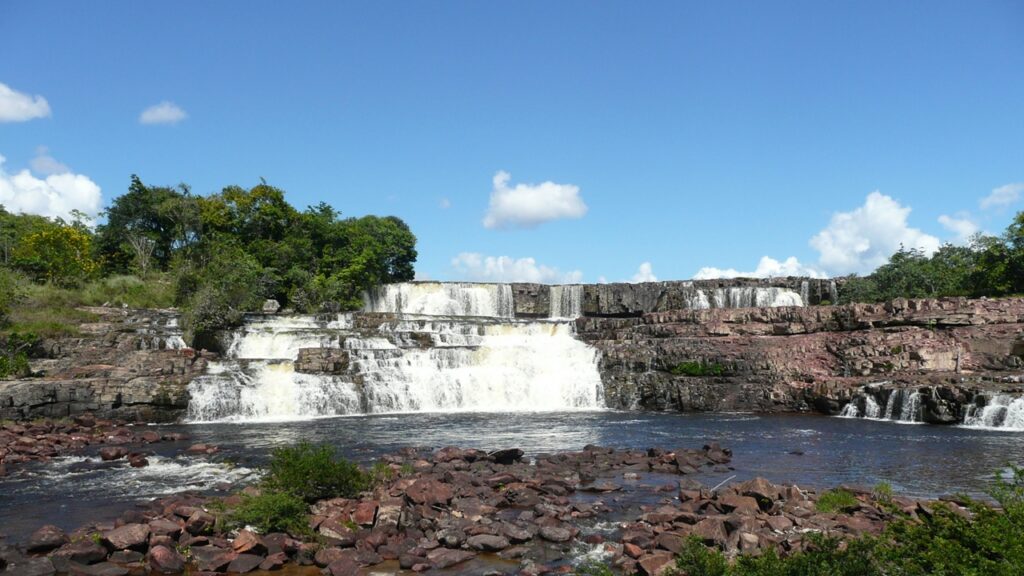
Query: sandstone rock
column 126, row 557
column 200, row 522
column 487, row 543
column 248, row 543
column 274, row 561
column 244, row 563
column 342, row 535
column 31, row 567
column 113, row 452
column 45, row 539
column 343, row 567
column 212, row 558
column 711, row 531
column 445, row 557
column 365, row 513
column 164, row 560
column 133, row 536
column 101, row 569
column 738, row 504
column 429, row 492
column 657, row 563
column 507, row 456
column 164, row 527
column 555, row 533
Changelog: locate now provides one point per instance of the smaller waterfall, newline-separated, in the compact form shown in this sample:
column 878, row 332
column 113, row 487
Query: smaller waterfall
column 901, row 405
column 566, row 302
column 750, row 297
column 442, row 299
column 871, row 408
column 1003, row 412
column 805, row 291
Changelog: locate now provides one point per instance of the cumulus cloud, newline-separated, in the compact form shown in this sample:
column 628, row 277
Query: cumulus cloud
column 864, row 238
column 19, row 107
column 480, row 268
column 527, row 205
column 645, row 273
column 960, row 225
column 55, row 195
column 45, row 164
column 1003, row 196
column 767, row 267
column 163, row 113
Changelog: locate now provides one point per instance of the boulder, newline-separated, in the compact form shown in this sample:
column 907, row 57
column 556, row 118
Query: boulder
column 134, row 536
column 429, row 492
column 45, row 539
column 200, row 522
column 212, row 558
column 248, row 543
column 165, row 560
column 442, row 558
column 245, row 563
column 555, row 533
column 487, row 543
column 108, row 453
column 31, row 567
column 81, row 551
column 657, row 563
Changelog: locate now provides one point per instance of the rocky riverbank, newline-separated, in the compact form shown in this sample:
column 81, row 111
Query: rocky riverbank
column 469, row 512
column 809, row 358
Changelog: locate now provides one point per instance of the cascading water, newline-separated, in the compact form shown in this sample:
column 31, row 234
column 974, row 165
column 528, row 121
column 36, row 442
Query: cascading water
column 751, row 296
column 1002, row 411
column 901, row 405
column 442, row 299
column 566, row 301
column 453, row 347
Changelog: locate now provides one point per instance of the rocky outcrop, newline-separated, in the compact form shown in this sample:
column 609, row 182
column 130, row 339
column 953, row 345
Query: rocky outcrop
column 799, row 358
column 128, row 364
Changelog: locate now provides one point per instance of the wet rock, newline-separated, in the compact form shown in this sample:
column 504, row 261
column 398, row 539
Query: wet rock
column 212, row 558
column 101, row 569
column 274, row 561
column 45, row 539
column 326, row 556
column 134, row 536
column 506, row 457
column 711, row 531
column 365, row 513
column 126, row 557
column 164, row 560
column 555, row 533
column 445, row 557
column 138, row 461
column 31, row 567
column 344, row 567
column 341, row 534
column 82, row 552
column 245, row 563
column 108, row 453
column 164, row 527
column 487, row 543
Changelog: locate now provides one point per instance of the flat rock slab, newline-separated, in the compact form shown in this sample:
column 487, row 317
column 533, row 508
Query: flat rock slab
column 31, row 567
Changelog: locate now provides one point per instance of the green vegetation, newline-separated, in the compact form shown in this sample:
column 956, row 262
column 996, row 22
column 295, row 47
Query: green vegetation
column 700, row 368
column 272, row 512
column 989, row 266
column 312, row 473
column 836, row 500
column 216, row 256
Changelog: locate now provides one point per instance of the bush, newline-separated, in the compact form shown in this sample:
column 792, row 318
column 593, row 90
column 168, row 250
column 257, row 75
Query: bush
column 697, row 369
column 272, row 512
column 835, row 500
column 312, row 473
column 152, row 291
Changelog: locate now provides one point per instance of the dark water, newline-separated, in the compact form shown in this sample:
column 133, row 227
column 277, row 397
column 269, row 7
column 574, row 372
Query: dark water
column 811, row 451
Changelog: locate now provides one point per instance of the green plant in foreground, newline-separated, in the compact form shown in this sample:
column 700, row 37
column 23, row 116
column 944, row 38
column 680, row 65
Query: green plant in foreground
column 273, row 512
column 835, row 500
column 312, row 473
column 883, row 492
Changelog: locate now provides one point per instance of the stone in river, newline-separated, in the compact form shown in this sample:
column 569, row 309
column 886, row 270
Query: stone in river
column 108, row 453
column 45, row 539
column 555, row 533
column 128, row 536
column 31, row 567
column 487, row 543
column 245, row 563
column 164, row 560
column 445, row 557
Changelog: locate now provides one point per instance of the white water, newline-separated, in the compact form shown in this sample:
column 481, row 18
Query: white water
column 426, row 359
column 900, row 406
column 442, row 299
column 1002, row 412
column 566, row 301
column 755, row 296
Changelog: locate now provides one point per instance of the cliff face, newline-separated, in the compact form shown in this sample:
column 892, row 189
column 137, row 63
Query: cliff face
column 798, row 358
column 128, row 364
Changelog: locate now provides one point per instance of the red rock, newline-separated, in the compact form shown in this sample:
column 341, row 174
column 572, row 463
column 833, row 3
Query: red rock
column 212, row 558
column 108, row 453
column 164, row 560
column 81, row 551
column 671, row 541
column 133, row 536
column 739, row 504
column 45, row 539
column 343, row 567
column 429, row 492
column 657, row 563
column 162, row 526
column 274, row 561
column 711, row 531
column 632, row 550
column 779, row 523
column 342, row 534
column 245, row 563
column 445, row 557
column 365, row 513
column 248, row 543
column 200, row 522
column 487, row 543
column 150, row 437
column 326, row 556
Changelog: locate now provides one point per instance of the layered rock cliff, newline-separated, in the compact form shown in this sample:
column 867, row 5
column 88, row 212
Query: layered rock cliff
column 803, row 358
column 128, row 364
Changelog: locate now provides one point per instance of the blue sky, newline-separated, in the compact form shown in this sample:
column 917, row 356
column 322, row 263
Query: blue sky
column 681, row 135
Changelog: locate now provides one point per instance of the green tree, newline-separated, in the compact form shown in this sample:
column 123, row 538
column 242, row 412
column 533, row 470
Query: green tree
column 60, row 254
column 166, row 216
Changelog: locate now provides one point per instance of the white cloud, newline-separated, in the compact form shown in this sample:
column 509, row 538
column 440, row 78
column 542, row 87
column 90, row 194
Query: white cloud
column 602, row 280
column 18, row 107
column 645, row 273
column 444, row 203
column 56, row 195
column 528, row 205
column 1003, row 196
column 864, row 238
column 767, row 267
column 45, row 164
column 162, row 113
column 960, row 225
column 477, row 267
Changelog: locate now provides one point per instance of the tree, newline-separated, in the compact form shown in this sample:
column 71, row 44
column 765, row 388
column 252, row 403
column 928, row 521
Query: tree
column 60, row 254
column 164, row 215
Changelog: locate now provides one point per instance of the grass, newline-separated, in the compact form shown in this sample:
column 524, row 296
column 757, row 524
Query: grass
column 835, row 500
column 700, row 368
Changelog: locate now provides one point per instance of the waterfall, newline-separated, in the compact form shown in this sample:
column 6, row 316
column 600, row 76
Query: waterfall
column 567, row 301
column 1003, row 412
column 755, row 296
column 805, row 291
column 442, row 299
column 901, row 405
column 415, row 362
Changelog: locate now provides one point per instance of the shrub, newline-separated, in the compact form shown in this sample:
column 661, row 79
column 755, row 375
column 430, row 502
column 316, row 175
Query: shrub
column 273, row 512
column 593, row 568
column 312, row 473
column 835, row 500
column 697, row 369
column 695, row 558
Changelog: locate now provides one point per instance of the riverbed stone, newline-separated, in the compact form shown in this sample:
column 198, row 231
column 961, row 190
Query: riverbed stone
column 248, row 543
column 84, row 551
column 101, row 569
column 446, row 557
column 244, row 563
column 555, row 533
column 165, row 560
column 200, row 522
column 31, row 567
column 108, row 453
column 487, row 543
column 428, row 491
column 657, row 563
column 45, row 539
column 134, row 536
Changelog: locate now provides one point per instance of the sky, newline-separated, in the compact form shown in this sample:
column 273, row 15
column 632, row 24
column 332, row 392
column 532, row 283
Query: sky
column 541, row 141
